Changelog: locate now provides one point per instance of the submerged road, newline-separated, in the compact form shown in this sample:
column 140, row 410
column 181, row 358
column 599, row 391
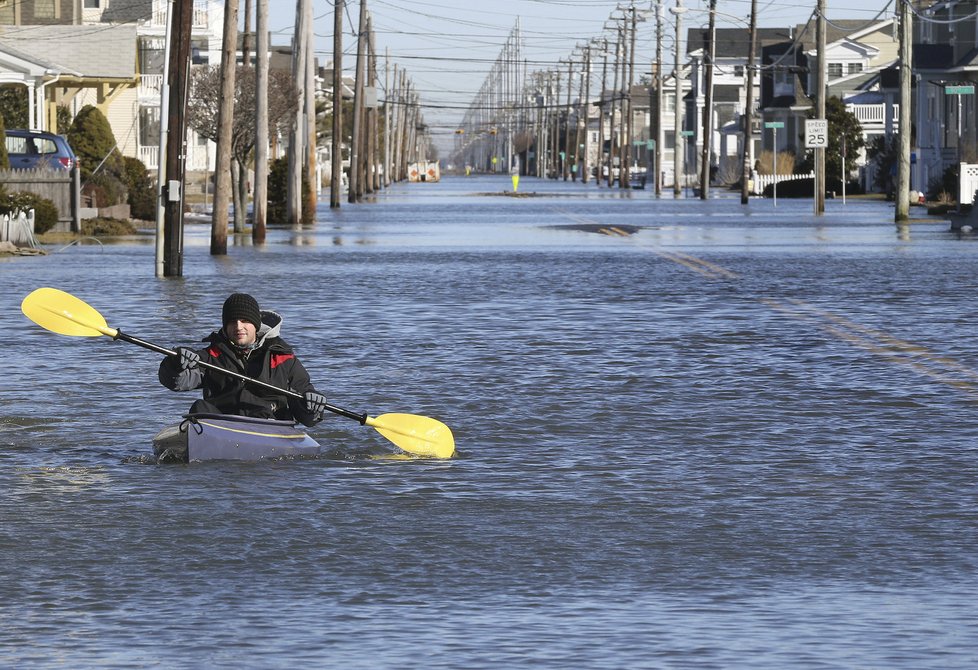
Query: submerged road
column 690, row 434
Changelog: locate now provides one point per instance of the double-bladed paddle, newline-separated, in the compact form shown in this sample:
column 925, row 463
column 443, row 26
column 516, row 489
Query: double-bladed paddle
column 65, row 314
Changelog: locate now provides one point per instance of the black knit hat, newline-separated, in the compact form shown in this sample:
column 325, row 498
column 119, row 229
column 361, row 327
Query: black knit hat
column 241, row 306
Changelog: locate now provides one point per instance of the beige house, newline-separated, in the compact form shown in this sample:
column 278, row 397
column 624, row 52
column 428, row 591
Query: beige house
column 108, row 53
column 68, row 65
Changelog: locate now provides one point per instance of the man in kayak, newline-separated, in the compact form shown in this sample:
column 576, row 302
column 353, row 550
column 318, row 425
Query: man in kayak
column 249, row 344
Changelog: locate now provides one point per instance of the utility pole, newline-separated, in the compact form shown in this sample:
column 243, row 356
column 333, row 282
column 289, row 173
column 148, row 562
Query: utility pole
column 387, row 117
column 906, row 72
column 556, row 165
column 625, row 181
column 708, row 108
column 310, row 186
column 358, row 107
column 225, row 119
column 678, row 148
column 173, row 135
column 820, row 91
column 660, row 134
column 399, row 159
column 585, row 108
column 749, row 110
column 370, row 113
column 604, row 88
column 336, row 168
column 374, row 152
column 261, row 124
column 172, row 189
column 297, row 139
column 612, row 131
column 567, row 120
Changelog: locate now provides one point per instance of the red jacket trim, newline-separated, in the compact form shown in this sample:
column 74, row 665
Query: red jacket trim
column 278, row 359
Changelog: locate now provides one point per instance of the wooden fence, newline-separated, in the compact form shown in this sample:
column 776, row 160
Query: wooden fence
column 62, row 187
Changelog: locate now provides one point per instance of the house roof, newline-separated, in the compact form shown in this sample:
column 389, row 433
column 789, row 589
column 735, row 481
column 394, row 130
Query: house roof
column 839, row 30
column 732, row 42
column 102, row 51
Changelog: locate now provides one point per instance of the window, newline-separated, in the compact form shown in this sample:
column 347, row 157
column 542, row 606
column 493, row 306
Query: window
column 738, row 70
column 149, row 126
column 198, row 52
column 835, row 70
column 45, row 9
column 92, row 4
column 151, row 58
column 855, row 68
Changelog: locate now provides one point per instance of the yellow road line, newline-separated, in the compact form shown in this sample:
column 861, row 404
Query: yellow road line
column 892, row 349
column 897, row 351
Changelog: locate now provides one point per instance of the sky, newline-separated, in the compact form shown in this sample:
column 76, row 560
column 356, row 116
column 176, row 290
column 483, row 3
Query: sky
column 449, row 46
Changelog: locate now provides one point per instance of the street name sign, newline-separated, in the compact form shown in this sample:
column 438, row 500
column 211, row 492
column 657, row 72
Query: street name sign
column 959, row 90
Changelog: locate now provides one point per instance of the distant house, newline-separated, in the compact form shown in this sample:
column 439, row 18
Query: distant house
column 108, row 53
column 856, row 53
column 945, row 59
column 91, row 65
column 732, row 52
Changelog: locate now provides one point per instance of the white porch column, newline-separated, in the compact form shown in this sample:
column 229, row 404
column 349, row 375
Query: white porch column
column 31, row 105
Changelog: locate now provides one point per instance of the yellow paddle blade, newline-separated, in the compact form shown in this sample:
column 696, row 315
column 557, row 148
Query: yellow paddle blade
column 64, row 314
column 416, row 434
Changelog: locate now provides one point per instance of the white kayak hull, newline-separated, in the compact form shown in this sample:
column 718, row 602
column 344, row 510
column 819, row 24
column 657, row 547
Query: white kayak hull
column 208, row 437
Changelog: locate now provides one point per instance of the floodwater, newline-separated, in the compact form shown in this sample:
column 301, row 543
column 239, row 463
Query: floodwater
column 691, row 435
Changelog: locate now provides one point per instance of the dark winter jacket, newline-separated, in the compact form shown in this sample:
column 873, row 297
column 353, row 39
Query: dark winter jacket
column 272, row 361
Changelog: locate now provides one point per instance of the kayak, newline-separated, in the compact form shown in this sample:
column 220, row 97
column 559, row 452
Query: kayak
column 209, row 437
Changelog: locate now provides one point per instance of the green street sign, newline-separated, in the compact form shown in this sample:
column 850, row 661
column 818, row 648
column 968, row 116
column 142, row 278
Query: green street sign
column 650, row 145
column 687, row 133
column 774, row 124
column 960, row 90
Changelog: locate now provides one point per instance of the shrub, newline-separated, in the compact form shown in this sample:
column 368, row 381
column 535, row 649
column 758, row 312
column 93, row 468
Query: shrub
column 102, row 167
column 278, row 190
column 13, row 106
column 107, row 227
column 45, row 211
column 805, row 188
column 141, row 187
column 944, row 187
column 4, row 158
column 90, row 135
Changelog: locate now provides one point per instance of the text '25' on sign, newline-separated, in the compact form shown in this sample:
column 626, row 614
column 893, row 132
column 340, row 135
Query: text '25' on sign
column 816, row 133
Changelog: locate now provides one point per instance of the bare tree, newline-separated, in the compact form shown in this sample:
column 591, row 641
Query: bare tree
column 204, row 105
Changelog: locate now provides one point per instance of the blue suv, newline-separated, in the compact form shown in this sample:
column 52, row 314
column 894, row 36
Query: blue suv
column 29, row 149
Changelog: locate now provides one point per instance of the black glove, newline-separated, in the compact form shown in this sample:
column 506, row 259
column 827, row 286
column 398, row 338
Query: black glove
column 315, row 402
column 188, row 358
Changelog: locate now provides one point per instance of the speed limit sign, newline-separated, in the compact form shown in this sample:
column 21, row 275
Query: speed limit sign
column 816, row 133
